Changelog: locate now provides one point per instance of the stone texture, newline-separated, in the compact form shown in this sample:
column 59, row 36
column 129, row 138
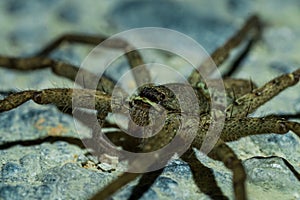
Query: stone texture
column 54, row 170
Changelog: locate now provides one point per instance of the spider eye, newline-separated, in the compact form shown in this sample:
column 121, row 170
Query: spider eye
column 152, row 94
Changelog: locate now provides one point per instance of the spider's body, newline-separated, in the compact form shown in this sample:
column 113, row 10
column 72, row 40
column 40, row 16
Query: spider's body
column 158, row 100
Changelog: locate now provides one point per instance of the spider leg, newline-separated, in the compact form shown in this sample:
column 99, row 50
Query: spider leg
column 198, row 170
column 63, row 99
column 40, row 61
column 239, row 59
column 224, row 153
column 223, row 52
column 59, row 68
column 71, row 38
column 246, row 104
column 206, row 183
column 60, row 97
column 134, row 58
column 203, row 176
column 14, row 100
column 237, row 128
column 81, row 39
column 236, row 88
column 68, row 100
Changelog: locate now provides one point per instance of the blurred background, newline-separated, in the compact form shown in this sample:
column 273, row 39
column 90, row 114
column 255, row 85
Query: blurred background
column 60, row 170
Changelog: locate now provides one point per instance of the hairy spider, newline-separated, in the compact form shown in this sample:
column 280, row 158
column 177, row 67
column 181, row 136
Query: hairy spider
column 242, row 95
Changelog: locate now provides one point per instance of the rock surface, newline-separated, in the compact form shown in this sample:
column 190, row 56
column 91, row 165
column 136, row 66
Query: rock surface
column 54, row 170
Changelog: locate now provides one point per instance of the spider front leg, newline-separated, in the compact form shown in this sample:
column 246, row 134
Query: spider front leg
column 14, row 100
column 257, row 97
column 62, row 98
column 68, row 100
column 237, row 128
column 253, row 23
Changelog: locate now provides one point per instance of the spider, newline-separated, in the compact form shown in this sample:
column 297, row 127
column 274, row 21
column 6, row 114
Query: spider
column 243, row 97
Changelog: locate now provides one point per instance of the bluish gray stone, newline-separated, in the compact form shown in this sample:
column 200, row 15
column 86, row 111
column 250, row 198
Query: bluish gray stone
column 172, row 15
column 166, row 185
column 179, row 169
column 69, row 13
column 268, row 173
column 12, row 172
